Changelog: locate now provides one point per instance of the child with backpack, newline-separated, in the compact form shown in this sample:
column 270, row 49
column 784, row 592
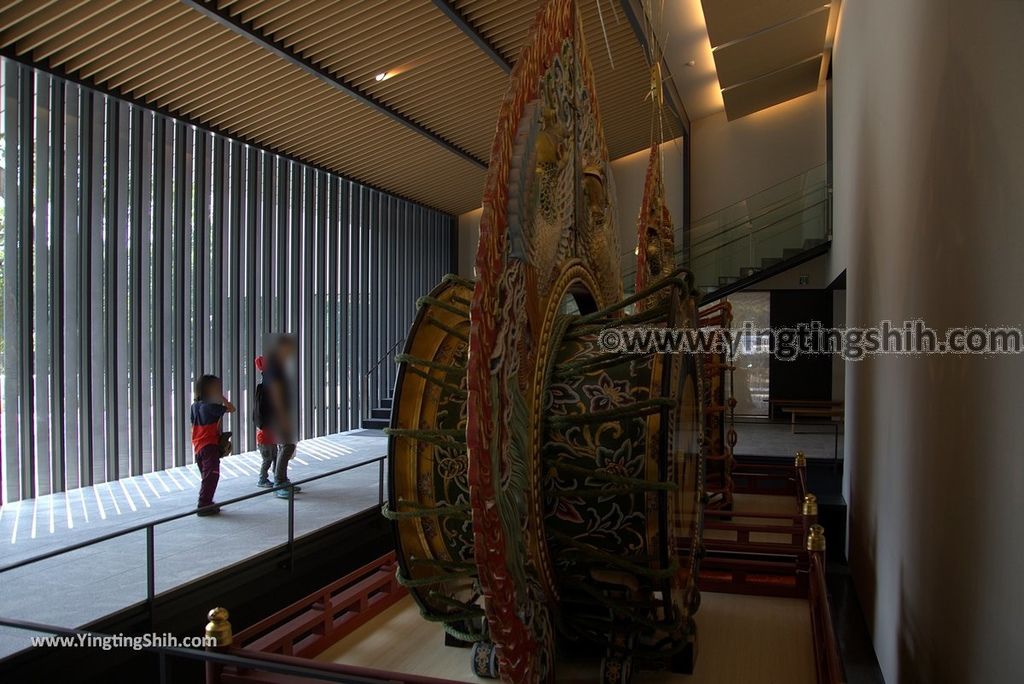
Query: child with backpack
column 209, row 443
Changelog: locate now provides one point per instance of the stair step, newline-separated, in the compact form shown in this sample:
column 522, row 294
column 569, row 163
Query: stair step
column 726, row 280
column 768, row 262
column 375, row 423
column 382, row 413
column 791, row 252
column 748, row 271
column 385, row 402
column 813, row 242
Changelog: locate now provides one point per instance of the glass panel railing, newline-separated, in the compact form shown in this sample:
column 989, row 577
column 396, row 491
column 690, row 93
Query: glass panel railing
column 771, row 226
column 762, row 207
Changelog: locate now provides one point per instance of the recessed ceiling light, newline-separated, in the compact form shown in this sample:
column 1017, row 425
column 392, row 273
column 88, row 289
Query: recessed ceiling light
column 691, row 63
column 381, row 76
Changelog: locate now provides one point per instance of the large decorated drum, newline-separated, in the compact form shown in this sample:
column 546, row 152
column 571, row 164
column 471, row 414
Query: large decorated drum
column 544, row 489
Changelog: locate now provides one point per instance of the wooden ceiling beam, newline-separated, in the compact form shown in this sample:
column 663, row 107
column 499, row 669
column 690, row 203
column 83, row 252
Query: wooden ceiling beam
column 244, row 29
column 634, row 13
column 473, row 34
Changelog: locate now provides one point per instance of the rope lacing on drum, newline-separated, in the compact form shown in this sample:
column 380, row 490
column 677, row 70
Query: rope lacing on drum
column 634, row 410
column 597, row 554
column 446, row 439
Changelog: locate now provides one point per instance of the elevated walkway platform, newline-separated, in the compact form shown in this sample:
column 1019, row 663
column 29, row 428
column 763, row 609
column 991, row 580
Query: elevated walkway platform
column 103, row 536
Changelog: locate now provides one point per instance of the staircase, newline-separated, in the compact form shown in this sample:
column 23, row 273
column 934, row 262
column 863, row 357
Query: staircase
column 380, row 416
column 758, row 237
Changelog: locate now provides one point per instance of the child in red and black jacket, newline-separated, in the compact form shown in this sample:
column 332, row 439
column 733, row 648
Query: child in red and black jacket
column 266, row 442
column 208, row 442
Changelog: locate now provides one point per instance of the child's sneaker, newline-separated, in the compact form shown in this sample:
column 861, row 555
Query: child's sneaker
column 212, row 509
column 282, row 494
column 294, row 488
column 265, row 483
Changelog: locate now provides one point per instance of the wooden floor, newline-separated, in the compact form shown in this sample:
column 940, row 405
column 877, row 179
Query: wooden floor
column 742, row 639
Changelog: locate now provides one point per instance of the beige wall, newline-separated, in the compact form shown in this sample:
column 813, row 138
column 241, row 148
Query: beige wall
column 929, row 188
column 735, row 159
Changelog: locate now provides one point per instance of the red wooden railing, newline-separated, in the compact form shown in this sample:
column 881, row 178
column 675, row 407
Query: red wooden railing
column 294, row 635
column 793, row 566
column 828, row 665
column 310, row 625
column 763, row 567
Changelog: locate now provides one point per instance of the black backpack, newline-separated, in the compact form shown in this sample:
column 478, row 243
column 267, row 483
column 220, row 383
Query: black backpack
column 262, row 411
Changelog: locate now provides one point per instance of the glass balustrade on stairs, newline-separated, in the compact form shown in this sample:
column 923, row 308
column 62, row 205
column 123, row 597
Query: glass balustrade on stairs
column 755, row 237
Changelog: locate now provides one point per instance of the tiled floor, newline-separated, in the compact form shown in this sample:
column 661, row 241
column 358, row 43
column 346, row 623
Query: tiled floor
column 80, row 586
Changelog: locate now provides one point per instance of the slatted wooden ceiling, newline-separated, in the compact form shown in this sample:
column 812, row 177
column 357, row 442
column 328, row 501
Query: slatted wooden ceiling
column 193, row 64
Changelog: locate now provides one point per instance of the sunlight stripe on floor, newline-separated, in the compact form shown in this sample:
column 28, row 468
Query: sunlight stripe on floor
column 174, row 480
column 135, row 481
column 160, row 479
column 99, row 503
column 85, row 509
column 17, row 519
column 145, row 478
column 67, row 510
column 35, row 505
column 131, row 501
column 113, row 499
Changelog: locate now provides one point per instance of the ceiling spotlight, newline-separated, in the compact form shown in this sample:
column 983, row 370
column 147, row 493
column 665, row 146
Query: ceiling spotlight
column 381, row 76
column 691, row 63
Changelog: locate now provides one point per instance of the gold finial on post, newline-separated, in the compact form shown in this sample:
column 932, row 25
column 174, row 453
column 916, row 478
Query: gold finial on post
column 816, row 538
column 218, row 628
column 800, row 461
column 810, row 506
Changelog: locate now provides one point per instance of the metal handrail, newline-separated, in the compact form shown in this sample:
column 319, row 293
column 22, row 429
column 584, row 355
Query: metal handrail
column 384, row 356
column 823, row 180
column 326, row 672
column 781, row 206
column 745, row 236
column 151, row 525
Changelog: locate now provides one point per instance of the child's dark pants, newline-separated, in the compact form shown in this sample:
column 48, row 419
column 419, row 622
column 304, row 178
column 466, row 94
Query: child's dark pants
column 268, row 452
column 208, row 459
column 281, row 467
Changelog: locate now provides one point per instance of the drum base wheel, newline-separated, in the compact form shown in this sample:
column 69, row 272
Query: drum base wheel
column 684, row 660
column 616, row 670
column 485, row 660
column 617, row 664
column 464, row 627
column 455, row 642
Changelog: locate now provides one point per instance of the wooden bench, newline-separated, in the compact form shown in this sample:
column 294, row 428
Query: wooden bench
column 811, row 412
column 782, row 404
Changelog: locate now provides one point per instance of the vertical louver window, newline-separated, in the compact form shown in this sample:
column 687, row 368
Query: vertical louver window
column 139, row 252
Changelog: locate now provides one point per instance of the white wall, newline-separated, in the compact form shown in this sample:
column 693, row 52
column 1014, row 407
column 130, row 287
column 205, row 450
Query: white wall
column 732, row 160
column 929, row 188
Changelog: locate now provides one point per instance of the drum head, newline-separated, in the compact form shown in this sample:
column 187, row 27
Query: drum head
column 429, row 489
column 688, row 474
